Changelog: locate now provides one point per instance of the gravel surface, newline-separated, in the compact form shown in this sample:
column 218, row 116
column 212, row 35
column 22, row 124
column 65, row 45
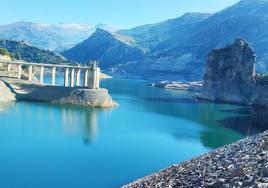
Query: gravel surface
column 242, row 164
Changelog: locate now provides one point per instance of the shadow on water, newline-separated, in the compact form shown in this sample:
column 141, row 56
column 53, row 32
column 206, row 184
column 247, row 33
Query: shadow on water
column 248, row 121
column 244, row 120
column 216, row 117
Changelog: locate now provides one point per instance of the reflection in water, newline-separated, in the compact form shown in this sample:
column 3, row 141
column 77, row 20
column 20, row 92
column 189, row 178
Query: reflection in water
column 180, row 104
column 247, row 120
column 75, row 117
column 5, row 105
column 74, row 121
column 91, row 128
column 204, row 113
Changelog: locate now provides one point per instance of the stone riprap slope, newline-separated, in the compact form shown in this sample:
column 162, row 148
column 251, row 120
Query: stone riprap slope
column 242, row 164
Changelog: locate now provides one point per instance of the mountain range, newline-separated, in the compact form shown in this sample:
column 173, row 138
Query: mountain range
column 176, row 49
column 48, row 36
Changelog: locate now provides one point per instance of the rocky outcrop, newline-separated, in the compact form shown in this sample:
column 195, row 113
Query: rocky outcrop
column 242, row 164
column 231, row 76
column 230, row 73
column 87, row 97
column 187, row 86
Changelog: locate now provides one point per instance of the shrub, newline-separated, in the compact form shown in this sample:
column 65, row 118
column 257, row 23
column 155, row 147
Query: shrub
column 4, row 51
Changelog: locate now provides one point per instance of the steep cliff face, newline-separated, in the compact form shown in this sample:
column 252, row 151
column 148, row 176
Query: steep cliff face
column 230, row 73
column 230, row 76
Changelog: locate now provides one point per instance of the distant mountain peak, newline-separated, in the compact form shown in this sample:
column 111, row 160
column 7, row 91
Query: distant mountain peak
column 195, row 14
column 102, row 31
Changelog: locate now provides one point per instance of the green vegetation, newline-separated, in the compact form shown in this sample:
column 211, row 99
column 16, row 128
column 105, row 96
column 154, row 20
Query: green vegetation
column 18, row 50
column 15, row 56
column 4, row 51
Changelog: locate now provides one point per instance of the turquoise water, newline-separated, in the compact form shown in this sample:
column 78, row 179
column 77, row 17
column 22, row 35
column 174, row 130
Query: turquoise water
column 45, row 146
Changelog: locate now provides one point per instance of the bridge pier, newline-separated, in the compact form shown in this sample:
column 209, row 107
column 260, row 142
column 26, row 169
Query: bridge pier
column 42, row 74
column 30, row 73
column 19, row 71
column 72, row 77
column 66, row 77
column 97, row 78
column 78, row 74
column 9, row 67
column 53, row 76
column 86, row 78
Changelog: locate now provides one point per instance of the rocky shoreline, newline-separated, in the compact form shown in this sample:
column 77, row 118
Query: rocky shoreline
column 241, row 164
column 230, row 77
column 175, row 85
column 16, row 90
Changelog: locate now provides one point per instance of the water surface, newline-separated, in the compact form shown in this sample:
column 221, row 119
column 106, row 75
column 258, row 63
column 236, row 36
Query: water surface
column 44, row 145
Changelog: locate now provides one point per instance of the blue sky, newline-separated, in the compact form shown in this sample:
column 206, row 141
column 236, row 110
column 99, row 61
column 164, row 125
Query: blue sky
column 120, row 13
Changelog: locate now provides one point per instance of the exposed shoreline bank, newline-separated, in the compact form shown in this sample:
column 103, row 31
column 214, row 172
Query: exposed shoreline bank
column 16, row 90
column 176, row 85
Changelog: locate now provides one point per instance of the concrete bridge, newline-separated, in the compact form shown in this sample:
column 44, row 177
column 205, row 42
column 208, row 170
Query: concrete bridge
column 72, row 74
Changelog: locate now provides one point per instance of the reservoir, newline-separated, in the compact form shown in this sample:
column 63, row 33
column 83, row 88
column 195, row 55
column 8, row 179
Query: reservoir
column 46, row 145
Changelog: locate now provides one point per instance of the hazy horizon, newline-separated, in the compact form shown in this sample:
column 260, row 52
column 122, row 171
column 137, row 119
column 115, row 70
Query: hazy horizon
column 120, row 13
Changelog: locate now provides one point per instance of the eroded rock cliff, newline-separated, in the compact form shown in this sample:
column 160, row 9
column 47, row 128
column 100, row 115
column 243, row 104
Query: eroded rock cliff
column 230, row 73
column 230, row 76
